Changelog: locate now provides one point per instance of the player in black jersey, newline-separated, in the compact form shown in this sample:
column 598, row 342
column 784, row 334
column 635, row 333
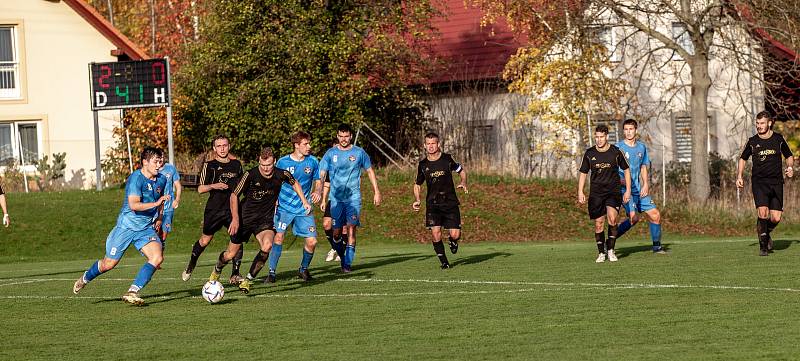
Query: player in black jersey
column 766, row 148
column 254, row 215
column 604, row 160
column 218, row 177
column 6, row 219
column 441, row 202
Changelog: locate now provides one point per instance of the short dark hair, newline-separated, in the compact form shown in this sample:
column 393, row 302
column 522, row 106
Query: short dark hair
column 266, row 153
column 299, row 135
column 218, row 137
column 602, row 128
column 432, row 135
column 150, row 152
column 344, row 127
column 764, row 114
column 632, row 122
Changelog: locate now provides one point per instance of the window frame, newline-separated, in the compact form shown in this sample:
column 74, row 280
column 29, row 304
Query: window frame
column 18, row 39
column 16, row 140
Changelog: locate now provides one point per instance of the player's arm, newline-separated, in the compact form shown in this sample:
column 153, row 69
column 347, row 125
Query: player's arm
column 316, row 195
column 417, row 191
column 136, row 204
column 376, row 199
column 622, row 162
column 205, row 181
column 582, row 171
column 241, row 187
column 6, row 219
column 746, row 153
column 644, row 178
column 787, row 153
column 178, row 190
column 299, row 190
column 463, row 175
column 326, row 188
column 581, row 184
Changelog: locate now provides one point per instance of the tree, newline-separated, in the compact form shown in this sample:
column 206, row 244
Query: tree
column 696, row 32
column 263, row 69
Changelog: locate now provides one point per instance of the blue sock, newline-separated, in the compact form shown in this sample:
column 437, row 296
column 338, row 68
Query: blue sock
column 349, row 254
column 338, row 246
column 92, row 272
column 623, row 227
column 274, row 256
column 144, row 275
column 655, row 235
column 306, row 260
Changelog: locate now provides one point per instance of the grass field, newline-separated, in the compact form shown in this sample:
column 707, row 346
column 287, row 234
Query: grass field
column 707, row 299
column 541, row 297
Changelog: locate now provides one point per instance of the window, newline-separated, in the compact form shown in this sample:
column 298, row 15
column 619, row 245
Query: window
column 484, row 139
column 20, row 140
column 9, row 63
column 681, row 36
column 682, row 136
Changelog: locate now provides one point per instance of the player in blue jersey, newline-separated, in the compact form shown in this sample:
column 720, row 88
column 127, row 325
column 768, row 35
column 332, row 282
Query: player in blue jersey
column 135, row 225
column 305, row 170
column 343, row 164
column 636, row 153
column 173, row 189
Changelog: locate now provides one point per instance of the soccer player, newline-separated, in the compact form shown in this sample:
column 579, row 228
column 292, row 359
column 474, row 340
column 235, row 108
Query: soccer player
column 441, row 202
column 344, row 164
column 6, row 219
column 291, row 211
column 604, row 161
column 260, row 187
column 217, row 178
column 766, row 148
column 135, row 225
column 173, row 189
column 636, row 154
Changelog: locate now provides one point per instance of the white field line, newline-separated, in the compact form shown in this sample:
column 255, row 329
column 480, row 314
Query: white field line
column 548, row 287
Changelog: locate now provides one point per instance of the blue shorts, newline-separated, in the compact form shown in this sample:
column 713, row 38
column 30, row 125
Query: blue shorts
column 302, row 225
column 120, row 238
column 166, row 222
column 346, row 213
column 637, row 204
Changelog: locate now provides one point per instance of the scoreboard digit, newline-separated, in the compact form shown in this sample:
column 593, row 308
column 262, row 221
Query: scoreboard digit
column 129, row 84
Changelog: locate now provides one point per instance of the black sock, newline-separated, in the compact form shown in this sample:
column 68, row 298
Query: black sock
column 197, row 250
column 763, row 232
column 258, row 263
column 611, row 241
column 600, row 240
column 451, row 239
column 438, row 247
column 771, row 226
column 329, row 236
column 237, row 261
column 221, row 262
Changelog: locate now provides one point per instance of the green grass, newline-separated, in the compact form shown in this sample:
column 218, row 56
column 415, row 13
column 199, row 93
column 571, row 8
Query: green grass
column 711, row 299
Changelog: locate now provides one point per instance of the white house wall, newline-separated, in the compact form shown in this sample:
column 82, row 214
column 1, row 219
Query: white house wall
column 59, row 45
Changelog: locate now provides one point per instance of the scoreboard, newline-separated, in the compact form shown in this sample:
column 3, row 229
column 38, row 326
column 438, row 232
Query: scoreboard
column 130, row 84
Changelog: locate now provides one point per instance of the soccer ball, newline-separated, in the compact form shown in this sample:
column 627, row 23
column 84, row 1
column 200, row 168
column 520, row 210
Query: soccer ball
column 213, row 291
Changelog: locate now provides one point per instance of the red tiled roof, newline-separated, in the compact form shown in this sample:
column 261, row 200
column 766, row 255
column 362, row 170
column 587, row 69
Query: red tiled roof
column 469, row 51
column 94, row 18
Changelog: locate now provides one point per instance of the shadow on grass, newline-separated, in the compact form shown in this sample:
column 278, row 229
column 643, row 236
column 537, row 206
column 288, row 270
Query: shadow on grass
column 478, row 258
column 779, row 244
column 623, row 252
column 76, row 273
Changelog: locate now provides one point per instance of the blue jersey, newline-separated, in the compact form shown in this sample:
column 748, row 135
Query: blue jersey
column 637, row 157
column 344, row 170
column 171, row 176
column 305, row 172
column 149, row 191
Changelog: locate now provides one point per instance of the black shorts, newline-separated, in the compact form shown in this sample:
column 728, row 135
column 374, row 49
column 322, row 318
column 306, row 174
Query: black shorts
column 215, row 219
column 251, row 229
column 447, row 217
column 598, row 201
column 768, row 195
column 327, row 210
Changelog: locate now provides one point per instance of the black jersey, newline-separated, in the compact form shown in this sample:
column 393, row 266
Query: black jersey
column 767, row 161
column 438, row 177
column 605, row 168
column 218, row 172
column 260, row 193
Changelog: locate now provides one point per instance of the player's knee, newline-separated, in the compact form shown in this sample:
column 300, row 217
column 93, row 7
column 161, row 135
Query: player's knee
column 455, row 234
column 655, row 217
column 775, row 218
column 107, row 264
column 311, row 242
column 204, row 240
column 278, row 238
column 155, row 260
